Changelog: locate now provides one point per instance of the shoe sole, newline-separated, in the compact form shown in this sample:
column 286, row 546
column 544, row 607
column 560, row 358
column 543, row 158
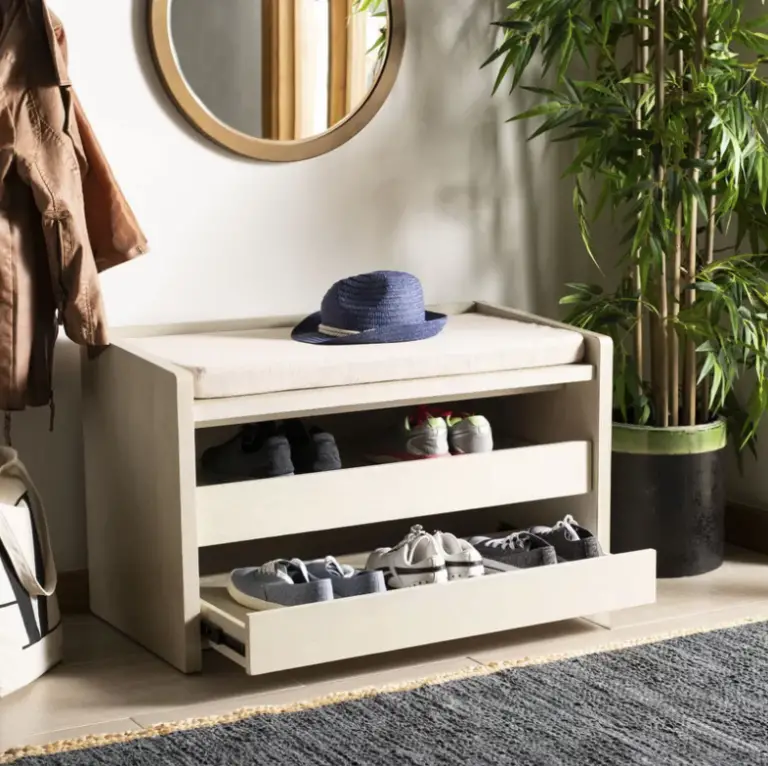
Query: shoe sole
column 408, row 580
column 498, row 566
column 251, row 602
column 465, row 570
column 258, row 604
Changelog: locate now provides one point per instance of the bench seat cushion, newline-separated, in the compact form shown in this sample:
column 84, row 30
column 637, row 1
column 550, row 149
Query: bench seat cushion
column 246, row 362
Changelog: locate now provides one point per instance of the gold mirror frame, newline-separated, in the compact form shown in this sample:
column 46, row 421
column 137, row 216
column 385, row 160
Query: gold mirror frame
column 258, row 148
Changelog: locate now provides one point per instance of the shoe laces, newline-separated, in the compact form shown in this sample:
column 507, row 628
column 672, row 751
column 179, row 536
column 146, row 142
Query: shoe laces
column 568, row 524
column 424, row 414
column 415, row 534
column 515, row 541
column 293, row 570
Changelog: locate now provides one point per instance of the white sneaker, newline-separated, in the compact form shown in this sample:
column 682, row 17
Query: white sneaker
column 421, row 436
column 462, row 560
column 469, row 434
column 415, row 560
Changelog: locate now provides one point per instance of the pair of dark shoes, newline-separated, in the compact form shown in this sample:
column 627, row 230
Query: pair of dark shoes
column 272, row 449
column 538, row 546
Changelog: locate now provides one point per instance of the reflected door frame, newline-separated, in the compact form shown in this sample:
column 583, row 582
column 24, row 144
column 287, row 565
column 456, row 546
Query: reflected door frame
column 288, row 94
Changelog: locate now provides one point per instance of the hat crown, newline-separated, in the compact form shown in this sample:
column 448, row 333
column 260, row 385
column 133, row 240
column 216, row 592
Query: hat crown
column 375, row 300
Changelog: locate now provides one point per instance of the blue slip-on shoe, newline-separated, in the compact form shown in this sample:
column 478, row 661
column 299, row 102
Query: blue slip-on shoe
column 346, row 580
column 276, row 584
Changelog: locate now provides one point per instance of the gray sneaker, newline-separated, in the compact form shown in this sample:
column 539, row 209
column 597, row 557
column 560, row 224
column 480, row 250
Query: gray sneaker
column 277, row 584
column 571, row 541
column 258, row 451
column 346, row 580
column 520, row 550
column 313, row 450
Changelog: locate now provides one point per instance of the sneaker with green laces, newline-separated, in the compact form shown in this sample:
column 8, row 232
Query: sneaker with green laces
column 421, row 436
column 469, row 434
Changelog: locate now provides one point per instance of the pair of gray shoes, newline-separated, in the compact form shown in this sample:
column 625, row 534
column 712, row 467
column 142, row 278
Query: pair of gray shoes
column 538, row 546
column 272, row 449
column 293, row 582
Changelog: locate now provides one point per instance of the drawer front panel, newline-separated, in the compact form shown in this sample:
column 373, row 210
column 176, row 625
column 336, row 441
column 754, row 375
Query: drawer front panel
column 251, row 510
column 294, row 637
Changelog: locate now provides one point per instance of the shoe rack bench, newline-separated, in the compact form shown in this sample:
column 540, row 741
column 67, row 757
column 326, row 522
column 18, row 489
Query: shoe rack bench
column 147, row 397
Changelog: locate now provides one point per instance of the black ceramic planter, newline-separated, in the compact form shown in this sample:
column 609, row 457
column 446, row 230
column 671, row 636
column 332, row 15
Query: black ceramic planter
column 668, row 493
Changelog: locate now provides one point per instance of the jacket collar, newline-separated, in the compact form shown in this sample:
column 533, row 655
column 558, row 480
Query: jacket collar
column 54, row 31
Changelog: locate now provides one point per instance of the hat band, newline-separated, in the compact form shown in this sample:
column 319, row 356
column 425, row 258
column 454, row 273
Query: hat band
column 336, row 332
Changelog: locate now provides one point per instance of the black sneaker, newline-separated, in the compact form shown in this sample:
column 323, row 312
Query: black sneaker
column 312, row 451
column 571, row 541
column 258, row 451
column 519, row 550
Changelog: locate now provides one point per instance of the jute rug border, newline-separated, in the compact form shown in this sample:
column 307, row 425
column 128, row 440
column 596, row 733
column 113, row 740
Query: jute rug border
column 102, row 740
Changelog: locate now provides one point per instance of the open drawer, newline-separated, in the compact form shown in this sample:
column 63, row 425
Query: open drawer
column 250, row 510
column 262, row 642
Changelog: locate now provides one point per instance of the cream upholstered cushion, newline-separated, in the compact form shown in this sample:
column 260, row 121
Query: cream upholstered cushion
column 247, row 362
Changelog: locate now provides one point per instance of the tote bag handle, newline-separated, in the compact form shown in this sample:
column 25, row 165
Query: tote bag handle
column 11, row 466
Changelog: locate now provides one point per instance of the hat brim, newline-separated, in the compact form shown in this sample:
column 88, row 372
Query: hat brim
column 307, row 332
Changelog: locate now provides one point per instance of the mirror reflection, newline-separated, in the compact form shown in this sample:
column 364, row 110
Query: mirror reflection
column 284, row 70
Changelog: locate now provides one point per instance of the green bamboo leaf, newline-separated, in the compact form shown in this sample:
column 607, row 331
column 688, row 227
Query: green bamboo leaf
column 717, row 382
column 541, row 91
column 764, row 186
column 556, row 121
column 524, row 26
column 522, row 59
column 581, row 287
column 568, row 300
column 508, row 45
column 707, row 367
column 688, row 164
column 539, row 111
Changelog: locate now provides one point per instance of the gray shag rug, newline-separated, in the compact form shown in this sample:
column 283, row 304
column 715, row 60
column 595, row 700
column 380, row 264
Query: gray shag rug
column 699, row 699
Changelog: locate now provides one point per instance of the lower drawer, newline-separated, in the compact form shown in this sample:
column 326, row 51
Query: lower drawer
column 265, row 642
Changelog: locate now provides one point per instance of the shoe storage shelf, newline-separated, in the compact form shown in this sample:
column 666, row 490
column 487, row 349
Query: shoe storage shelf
column 153, row 397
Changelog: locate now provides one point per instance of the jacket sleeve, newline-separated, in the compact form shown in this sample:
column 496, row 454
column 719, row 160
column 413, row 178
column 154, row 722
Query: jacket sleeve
column 47, row 160
column 114, row 232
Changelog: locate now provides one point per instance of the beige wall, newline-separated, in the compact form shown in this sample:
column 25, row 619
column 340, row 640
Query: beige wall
column 437, row 185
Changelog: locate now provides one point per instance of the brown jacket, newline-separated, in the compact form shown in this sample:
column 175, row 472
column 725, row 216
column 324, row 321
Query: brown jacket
column 62, row 216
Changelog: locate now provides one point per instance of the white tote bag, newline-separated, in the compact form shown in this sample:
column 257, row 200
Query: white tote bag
column 30, row 631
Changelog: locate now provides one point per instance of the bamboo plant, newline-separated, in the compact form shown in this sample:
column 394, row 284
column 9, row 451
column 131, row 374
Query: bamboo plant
column 669, row 128
column 377, row 9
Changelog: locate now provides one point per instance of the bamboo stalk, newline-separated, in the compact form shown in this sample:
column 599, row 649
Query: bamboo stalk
column 661, row 383
column 674, row 340
column 641, row 67
column 689, row 384
column 709, row 256
column 677, row 267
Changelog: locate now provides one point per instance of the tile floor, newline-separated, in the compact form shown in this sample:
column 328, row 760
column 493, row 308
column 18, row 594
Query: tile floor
column 108, row 684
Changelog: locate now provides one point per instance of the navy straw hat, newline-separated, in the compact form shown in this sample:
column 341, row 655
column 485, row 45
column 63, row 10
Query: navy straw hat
column 380, row 307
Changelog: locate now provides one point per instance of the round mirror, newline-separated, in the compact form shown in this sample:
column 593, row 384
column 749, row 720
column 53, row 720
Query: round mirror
column 278, row 79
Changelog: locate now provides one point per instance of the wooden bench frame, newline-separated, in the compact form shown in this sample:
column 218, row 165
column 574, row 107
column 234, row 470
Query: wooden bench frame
column 147, row 519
